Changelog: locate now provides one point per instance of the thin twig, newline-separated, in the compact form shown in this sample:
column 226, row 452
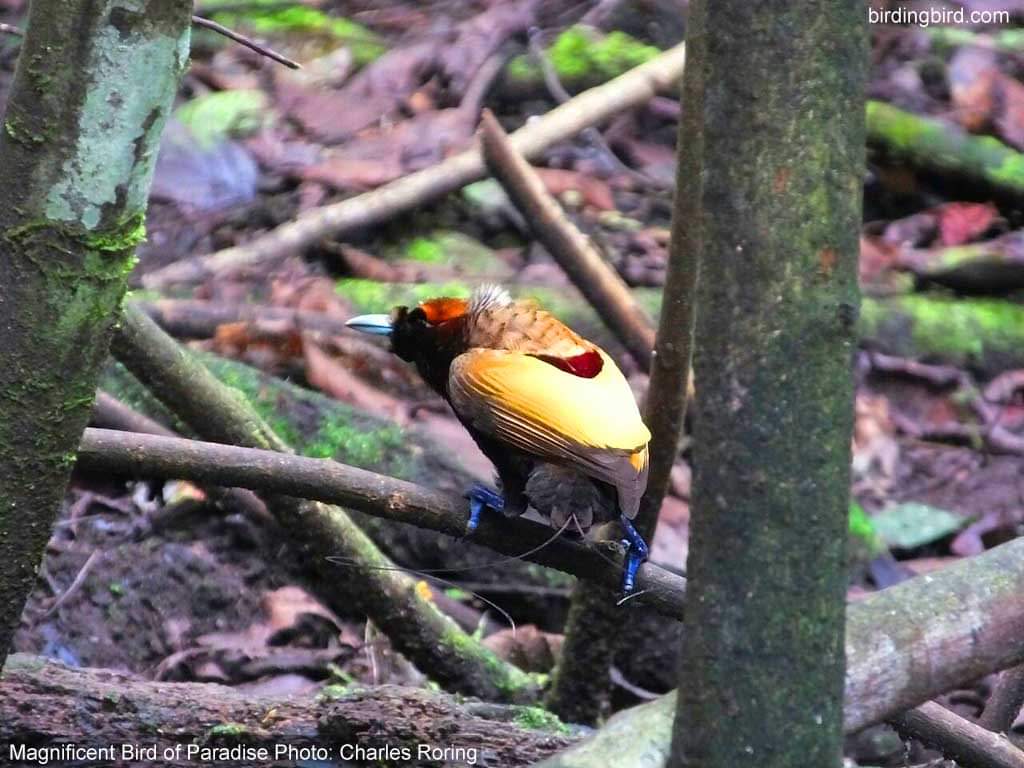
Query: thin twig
column 629, row 90
column 573, row 251
column 152, row 456
column 249, row 43
column 958, row 739
column 75, row 585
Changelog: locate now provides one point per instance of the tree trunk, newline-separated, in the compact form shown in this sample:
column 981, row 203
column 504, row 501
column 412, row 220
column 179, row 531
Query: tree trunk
column 77, row 151
column 774, row 119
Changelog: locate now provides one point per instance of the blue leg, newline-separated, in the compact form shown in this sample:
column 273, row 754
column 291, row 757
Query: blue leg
column 636, row 553
column 481, row 496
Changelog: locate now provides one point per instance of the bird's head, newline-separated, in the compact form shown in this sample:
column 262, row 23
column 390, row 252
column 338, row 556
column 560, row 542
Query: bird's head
column 431, row 334
column 428, row 326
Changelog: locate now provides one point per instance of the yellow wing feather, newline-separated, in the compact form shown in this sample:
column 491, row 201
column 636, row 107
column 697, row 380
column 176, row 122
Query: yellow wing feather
column 592, row 424
column 524, row 399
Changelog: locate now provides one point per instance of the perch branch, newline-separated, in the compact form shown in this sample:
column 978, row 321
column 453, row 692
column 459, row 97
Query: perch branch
column 573, row 251
column 590, row 107
column 249, row 43
column 318, row 531
column 378, row 495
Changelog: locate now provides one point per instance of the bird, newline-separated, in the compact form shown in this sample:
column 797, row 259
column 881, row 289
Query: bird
column 550, row 409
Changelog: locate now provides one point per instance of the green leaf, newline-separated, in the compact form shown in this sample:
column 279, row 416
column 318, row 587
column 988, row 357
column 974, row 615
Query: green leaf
column 912, row 525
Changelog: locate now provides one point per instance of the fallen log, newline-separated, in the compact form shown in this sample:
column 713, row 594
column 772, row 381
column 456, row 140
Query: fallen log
column 47, row 706
column 904, row 646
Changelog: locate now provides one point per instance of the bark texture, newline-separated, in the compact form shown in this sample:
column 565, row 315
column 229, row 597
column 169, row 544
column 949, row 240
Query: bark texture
column 904, row 646
column 77, row 150
column 773, row 95
column 46, row 705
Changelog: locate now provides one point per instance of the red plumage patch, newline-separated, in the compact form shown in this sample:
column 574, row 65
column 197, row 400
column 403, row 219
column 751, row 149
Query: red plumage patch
column 586, row 365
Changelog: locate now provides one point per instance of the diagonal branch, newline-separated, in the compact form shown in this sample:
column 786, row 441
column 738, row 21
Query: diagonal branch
column 249, row 43
column 573, row 251
column 590, row 107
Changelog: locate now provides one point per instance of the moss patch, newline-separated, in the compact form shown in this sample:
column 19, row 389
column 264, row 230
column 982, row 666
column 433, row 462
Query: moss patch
column 540, row 719
column 985, row 334
column 214, row 117
column 581, row 56
column 269, row 18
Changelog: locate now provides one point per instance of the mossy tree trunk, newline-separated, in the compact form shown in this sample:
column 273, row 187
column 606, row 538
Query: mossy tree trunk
column 94, row 84
column 774, row 109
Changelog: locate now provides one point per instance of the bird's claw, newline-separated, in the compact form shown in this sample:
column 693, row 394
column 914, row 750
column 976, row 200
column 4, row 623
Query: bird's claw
column 636, row 553
column 481, row 496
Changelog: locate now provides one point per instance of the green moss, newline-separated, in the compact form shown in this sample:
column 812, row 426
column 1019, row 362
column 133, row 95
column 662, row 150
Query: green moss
column 540, row 719
column 936, row 144
column 425, row 250
column 513, row 683
column 454, row 249
column 373, row 296
column 268, row 18
column 948, row 38
column 336, row 691
column 14, row 129
column 214, row 117
column 227, row 731
column 582, row 56
column 958, row 331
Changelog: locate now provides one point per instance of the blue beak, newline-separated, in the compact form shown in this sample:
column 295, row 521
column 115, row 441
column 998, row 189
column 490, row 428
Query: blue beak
column 379, row 325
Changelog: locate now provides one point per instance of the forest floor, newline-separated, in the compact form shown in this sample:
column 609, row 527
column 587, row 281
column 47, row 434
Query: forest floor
column 153, row 579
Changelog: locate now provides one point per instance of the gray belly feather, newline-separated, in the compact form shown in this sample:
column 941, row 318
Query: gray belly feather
column 558, row 493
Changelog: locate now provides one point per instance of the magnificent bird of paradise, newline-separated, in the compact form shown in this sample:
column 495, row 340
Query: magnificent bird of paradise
column 551, row 410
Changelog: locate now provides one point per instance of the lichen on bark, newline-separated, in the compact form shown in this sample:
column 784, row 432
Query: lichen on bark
column 77, row 152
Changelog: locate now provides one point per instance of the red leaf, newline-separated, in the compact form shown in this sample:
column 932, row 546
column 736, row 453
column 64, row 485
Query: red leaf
column 960, row 223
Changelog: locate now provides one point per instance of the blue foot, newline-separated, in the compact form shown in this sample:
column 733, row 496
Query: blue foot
column 636, row 553
column 481, row 496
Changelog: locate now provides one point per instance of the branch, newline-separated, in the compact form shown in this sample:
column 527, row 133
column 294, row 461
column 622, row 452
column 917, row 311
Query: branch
column 958, row 739
column 590, row 107
column 1004, row 704
column 194, row 319
column 147, row 456
column 388, row 597
column 942, row 147
column 110, row 413
column 573, row 251
column 45, row 704
column 904, row 646
column 249, row 43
